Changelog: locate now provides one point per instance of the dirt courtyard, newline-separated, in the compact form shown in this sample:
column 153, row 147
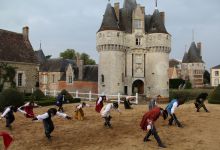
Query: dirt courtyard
column 201, row 131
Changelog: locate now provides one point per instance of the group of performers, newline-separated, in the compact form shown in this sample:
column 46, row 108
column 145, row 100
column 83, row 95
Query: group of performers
column 154, row 112
column 147, row 122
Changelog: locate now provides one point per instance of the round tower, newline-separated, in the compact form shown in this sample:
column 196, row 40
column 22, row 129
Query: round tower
column 157, row 58
column 109, row 42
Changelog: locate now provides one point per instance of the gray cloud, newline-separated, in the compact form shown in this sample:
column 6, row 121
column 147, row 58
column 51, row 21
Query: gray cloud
column 73, row 24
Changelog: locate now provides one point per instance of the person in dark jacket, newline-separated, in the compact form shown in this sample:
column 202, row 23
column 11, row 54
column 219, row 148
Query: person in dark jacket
column 171, row 107
column 127, row 103
column 8, row 114
column 147, row 123
column 59, row 102
column 47, row 121
column 199, row 103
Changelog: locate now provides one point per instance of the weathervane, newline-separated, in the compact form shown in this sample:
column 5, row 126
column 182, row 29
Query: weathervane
column 156, row 3
column 193, row 34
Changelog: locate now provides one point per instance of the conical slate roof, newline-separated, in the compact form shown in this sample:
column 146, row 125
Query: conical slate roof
column 156, row 23
column 153, row 23
column 193, row 55
column 109, row 21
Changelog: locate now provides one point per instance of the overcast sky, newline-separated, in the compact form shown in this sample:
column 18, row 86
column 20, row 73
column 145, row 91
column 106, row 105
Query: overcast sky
column 62, row 24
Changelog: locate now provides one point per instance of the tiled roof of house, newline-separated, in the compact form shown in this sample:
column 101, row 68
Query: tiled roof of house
column 14, row 47
column 216, row 67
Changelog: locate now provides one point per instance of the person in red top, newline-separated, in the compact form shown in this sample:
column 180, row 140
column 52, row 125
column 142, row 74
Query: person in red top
column 7, row 139
column 99, row 103
column 27, row 109
column 147, row 123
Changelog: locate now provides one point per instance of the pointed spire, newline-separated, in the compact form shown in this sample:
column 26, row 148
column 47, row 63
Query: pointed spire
column 40, row 44
column 193, row 35
column 155, row 4
column 109, row 21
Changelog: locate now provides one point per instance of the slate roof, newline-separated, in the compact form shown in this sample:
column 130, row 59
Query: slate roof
column 193, row 55
column 13, row 47
column 216, row 67
column 173, row 63
column 40, row 56
column 56, row 65
column 153, row 23
column 109, row 21
column 90, row 73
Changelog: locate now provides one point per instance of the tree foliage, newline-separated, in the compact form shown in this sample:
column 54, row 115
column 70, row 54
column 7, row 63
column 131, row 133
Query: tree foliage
column 206, row 77
column 7, row 74
column 68, row 54
column 72, row 54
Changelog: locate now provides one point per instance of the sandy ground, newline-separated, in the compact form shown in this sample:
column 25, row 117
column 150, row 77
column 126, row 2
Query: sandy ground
column 201, row 131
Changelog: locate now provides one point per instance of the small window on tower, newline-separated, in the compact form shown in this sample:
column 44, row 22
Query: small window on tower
column 137, row 24
column 102, row 78
column 138, row 41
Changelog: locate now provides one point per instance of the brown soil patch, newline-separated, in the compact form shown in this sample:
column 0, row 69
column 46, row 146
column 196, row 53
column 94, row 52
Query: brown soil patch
column 201, row 131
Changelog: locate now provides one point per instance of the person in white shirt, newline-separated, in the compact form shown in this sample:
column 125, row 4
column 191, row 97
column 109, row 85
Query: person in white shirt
column 79, row 114
column 47, row 121
column 105, row 113
column 8, row 114
column 171, row 107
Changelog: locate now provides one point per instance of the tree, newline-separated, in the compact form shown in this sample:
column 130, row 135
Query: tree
column 7, row 74
column 206, row 77
column 86, row 58
column 72, row 54
column 48, row 56
column 68, row 54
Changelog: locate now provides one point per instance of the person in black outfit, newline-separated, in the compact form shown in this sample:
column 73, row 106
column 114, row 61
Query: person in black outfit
column 199, row 103
column 8, row 114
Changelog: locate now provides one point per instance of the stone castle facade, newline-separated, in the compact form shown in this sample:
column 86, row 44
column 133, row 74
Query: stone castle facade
column 133, row 51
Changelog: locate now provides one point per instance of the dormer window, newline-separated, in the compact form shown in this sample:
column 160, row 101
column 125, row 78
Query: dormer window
column 138, row 41
column 137, row 24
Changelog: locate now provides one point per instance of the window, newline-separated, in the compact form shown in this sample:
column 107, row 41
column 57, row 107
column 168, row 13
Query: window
column 44, row 79
column 216, row 82
column 20, row 79
column 53, row 78
column 70, row 79
column 216, row 73
column 138, row 41
column 137, row 24
column 102, row 78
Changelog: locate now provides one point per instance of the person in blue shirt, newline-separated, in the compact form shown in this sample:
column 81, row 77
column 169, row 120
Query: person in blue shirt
column 171, row 107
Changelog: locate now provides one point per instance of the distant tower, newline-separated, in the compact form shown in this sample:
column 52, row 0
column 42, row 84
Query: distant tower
column 133, row 51
column 193, row 67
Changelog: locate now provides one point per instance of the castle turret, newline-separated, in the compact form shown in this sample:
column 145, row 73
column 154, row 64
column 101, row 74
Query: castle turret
column 159, row 47
column 111, row 53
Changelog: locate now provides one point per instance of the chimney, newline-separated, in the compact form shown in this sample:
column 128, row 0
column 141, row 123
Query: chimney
column 79, row 64
column 143, row 9
column 162, row 16
column 116, row 7
column 25, row 32
column 199, row 47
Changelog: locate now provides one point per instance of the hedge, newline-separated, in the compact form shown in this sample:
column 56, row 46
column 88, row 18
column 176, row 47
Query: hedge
column 47, row 101
column 214, row 97
column 188, row 94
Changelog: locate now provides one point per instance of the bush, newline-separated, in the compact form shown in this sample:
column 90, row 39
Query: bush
column 214, row 97
column 11, row 97
column 38, row 95
column 188, row 85
column 175, row 83
column 75, row 100
column 68, row 96
column 188, row 94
